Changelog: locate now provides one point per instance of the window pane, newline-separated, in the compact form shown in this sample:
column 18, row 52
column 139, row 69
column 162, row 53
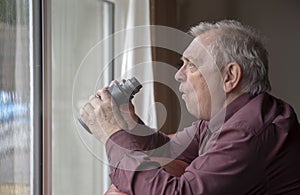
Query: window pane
column 15, row 98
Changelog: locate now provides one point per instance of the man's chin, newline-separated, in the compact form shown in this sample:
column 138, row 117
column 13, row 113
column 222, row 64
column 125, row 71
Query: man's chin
column 192, row 112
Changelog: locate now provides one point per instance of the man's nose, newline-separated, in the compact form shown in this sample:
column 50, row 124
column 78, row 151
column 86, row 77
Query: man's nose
column 180, row 75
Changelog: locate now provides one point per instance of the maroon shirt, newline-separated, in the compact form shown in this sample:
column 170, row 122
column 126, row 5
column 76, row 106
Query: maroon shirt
column 255, row 151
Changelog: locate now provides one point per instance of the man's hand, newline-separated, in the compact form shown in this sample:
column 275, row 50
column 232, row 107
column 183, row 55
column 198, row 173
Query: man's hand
column 112, row 190
column 102, row 115
column 128, row 114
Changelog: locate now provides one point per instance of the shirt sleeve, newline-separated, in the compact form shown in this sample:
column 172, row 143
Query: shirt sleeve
column 148, row 138
column 232, row 160
column 183, row 145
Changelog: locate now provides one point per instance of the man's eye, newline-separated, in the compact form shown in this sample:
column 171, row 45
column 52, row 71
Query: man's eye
column 191, row 65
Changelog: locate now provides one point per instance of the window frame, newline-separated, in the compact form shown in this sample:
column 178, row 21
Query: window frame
column 37, row 53
column 46, row 98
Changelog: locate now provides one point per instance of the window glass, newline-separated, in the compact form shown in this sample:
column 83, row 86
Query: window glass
column 15, row 98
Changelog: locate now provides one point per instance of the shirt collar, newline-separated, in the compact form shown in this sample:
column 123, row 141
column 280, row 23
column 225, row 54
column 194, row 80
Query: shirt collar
column 221, row 117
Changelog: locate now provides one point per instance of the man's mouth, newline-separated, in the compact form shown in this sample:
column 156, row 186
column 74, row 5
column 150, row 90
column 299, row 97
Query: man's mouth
column 181, row 89
column 183, row 94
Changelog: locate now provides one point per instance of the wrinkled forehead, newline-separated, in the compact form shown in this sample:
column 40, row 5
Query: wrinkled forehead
column 197, row 53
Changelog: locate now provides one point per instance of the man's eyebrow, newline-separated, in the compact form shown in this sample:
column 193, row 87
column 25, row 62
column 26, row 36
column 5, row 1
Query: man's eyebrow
column 183, row 58
column 189, row 59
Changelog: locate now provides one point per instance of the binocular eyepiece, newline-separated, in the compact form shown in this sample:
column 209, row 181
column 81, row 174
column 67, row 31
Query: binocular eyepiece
column 121, row 92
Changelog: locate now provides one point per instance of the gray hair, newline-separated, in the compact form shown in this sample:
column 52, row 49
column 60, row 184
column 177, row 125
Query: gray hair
column 240, row 44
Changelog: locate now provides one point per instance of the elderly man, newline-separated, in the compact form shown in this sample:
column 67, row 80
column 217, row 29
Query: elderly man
column 245, row 141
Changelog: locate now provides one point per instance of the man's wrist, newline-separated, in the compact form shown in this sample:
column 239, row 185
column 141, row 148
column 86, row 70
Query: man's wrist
column 122, row 139
column 109, row 134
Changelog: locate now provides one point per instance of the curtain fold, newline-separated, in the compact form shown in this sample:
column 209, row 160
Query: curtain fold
column 133, row 44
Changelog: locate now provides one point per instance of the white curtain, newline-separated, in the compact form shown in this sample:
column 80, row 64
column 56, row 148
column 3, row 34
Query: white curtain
column 134, row 54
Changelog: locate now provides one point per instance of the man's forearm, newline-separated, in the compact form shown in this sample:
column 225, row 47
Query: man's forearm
column 148, row 138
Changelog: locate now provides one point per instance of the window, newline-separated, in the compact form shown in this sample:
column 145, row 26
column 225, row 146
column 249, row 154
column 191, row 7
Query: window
column 19, row 98
column 48, row 69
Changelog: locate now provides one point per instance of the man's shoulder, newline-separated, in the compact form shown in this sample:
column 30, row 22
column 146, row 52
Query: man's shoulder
column 262, row 111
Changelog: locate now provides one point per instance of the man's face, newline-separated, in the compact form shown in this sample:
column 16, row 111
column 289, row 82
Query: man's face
column 199, row 79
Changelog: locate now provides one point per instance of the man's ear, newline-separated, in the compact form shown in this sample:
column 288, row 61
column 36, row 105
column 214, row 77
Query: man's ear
column 232, row 75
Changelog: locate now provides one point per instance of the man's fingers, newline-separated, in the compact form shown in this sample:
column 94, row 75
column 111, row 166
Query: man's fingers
column 86, row 111
column 104, row 94
column 112, row 190
column 95, row 101
column 115, row 193
column 83, row 114
column 89, row 108
column 113, row 82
